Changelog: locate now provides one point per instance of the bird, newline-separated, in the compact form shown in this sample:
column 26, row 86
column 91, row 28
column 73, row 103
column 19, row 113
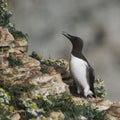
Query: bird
column 80, row 68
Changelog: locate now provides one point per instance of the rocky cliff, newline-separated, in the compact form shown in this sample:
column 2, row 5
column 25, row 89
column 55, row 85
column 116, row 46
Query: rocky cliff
column 19, row 70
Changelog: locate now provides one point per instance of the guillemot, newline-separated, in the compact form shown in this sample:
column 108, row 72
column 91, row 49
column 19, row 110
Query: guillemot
column 80, row 69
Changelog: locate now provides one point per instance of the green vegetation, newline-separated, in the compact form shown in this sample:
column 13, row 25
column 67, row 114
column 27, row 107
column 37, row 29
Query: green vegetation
column 19, row 100
column 35, row 56
column 5, row 16
column 14, row 61
column 4, row 13
column 50, row 61
column 45, row 63
column 15, row 32
column 100, row 88
column 4, row 105
column 68, row 107
column 11, row 100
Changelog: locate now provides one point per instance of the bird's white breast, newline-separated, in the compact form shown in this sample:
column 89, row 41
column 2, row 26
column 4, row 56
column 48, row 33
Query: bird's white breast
column 78, row 68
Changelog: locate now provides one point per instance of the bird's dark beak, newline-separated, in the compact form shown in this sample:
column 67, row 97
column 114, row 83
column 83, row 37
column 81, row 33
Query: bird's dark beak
column 67, row 35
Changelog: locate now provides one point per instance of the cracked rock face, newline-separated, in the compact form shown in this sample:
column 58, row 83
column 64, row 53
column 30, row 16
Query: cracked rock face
column 21, row 44
column 28, row 72
column 114, row 110
column 6, row 37
column 47, row 84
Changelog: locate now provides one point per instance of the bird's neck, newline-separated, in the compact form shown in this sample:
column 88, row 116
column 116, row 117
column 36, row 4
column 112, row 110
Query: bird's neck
column 76, row 52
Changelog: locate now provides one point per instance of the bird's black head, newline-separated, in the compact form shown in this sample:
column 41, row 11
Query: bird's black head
column 76, row 42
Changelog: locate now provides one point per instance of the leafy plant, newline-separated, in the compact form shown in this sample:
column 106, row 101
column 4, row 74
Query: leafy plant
column 50, row 61
column 14, row 61
column 4, row 13
column 4, row 105
column 4, row 113
column 15, row 32
column 44, row 69
column 68, row 107
column 35, row 56
column 100, row 88
column 5, row 16
column 60, row 65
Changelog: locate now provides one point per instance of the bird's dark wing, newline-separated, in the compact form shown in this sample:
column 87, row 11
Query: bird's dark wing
column 82, row 57
column 91, row 75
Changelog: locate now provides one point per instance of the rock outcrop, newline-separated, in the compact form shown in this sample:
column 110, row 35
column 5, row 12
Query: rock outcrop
column 17, row 69
column 29, row 69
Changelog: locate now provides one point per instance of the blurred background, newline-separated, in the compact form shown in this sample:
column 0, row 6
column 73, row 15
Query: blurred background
column 97, row 22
